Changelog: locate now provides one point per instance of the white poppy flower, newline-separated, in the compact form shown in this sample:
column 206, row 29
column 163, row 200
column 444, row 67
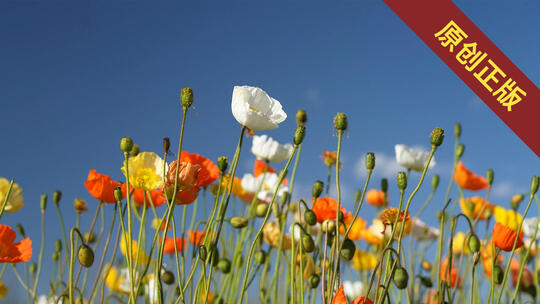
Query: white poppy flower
column 529, row 225
column 265, row 147
column 422, row 231
column 150, row 290
column 412, row 159
column 253, row 108
column 354, row 289
column 48, row 300
column 270, row 181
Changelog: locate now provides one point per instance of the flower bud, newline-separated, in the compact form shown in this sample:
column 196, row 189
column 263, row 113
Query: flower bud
column 292, row 207
column 401, row 278
column 239, row 222
column 402, row 180
column 329, row 226
column 460, row 149
column 474, row 243
column 426, row 281
column 56, row 256
column 498, row 274
column 384, row 185
column 348, row 249
column 441, row 215
column 489, row 176
column 437, row 136
column 57, row 196
column 357, row 196
column 90, row 237
column 307, row 243
column 313, row 281
column 126, row 144
column 214, row 255
column 134, row 151
column 33, row 267
column 20, row 229
column 516, row 200
column 426, row 265
column 223, row 163
column 534, row 185
column 301, row 117
column 340, row 122
column 86, row 256
column 58, row 245
column 43, row 202
column 260, row 257
column 166, row 145
column 224, row 266
column 299, row 134
column 310, row 217
column 370, row 161
column 203, row 254
column 317, row 189
column 261, row 209
column 80, row 206
column 186, row 97
column 118, row 194
column 167, row 277
column 457, row 130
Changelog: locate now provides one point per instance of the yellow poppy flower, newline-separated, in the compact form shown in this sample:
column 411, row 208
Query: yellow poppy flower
column 508, row 218
column 117, row 280
column 364, row 260
column 15, row 201
column 3, row 290
column 143, row 258
column 459, row 244
column 145, row 171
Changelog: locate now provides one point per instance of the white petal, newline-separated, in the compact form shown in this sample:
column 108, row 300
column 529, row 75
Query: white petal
column 255, row 109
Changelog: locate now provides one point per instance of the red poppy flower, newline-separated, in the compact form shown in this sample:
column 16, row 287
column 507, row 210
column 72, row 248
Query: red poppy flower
column 101, row 186
column 13, row 252
column 326, row 207
column 468, row 180
column 169, row 245
column 340, row 298
column 259, row 166
column 503, row 237
column 209, row 171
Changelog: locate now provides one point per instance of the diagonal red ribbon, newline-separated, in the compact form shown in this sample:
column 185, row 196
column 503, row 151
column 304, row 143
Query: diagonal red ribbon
column 477, row 61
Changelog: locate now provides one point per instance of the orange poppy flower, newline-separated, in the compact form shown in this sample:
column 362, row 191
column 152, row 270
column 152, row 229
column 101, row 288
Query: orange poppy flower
column 196, row 237
column 487, row 258
column 371, row 238
column 13, row 252
column 326, row 208
column 101, row 186
column 431, row 297
column 376, row 198
column 209, row 171
column 357, row 229
column 476, row 207
column 188, row 175
column 340, row 298
column 169, row 245
column 453, row 279
column 526, row 277
column 503, row 237
column 468, row 180
column 157, row 196
column 259, row 168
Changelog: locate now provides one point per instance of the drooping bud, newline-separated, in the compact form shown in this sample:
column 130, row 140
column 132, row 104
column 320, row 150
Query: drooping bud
column 435, row 182
column 384, row 185
column 80, row 206
column 474, row 243
column 437, row 137
column 223, row 163
column 57, row 196
column 86, row 256
column 43, row 202
column 20, row 229
column 203, row 254
column 402, row 180
column 90, row 237
column 167, row 277
column 301, row 117
column 490, row 176
column 224, row 266
column 118, row 194
column 340, row 122
column 370, row 161
column 58, row 245
column 310, row 217
column 457, row 130
column 401, row 278
column 307, row 243
column 329, row 226
column 126, row 144
column 426, row 281
column 317, row 189
column 299, row 134
column 347, row 252
column 238, row 222
column 166, row 145
column 33, row 268
column 134, row 151
column 460, row 149
column 260, row 257
column 261, row 209
column 534, row 185
column 498, row 274
column 186, row 97
column 313, row 281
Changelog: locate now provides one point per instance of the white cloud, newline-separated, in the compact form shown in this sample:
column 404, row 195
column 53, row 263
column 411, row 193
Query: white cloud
column 505, row 189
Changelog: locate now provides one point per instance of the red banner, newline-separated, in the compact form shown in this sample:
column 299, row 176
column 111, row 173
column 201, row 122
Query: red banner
column 477, row 61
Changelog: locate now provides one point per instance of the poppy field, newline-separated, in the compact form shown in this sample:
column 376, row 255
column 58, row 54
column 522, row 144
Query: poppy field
column 256, row 244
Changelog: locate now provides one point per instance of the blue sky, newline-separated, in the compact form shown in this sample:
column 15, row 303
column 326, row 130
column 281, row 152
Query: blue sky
column 76, row 77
